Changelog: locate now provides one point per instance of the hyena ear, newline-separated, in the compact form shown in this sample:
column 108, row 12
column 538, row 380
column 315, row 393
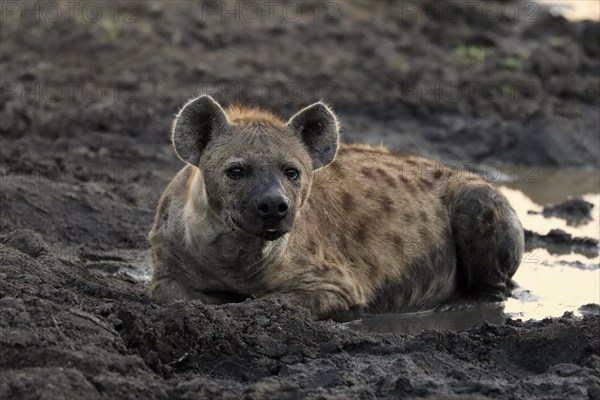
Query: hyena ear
column 197, row 123
column 318, row 128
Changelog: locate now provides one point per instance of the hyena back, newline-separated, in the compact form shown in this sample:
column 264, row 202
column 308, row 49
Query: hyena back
column 267, row 208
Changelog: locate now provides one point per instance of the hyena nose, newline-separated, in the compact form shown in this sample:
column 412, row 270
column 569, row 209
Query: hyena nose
column 271, row 206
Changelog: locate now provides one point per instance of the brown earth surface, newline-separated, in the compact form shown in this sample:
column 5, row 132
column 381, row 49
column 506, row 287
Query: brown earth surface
column 87, row 102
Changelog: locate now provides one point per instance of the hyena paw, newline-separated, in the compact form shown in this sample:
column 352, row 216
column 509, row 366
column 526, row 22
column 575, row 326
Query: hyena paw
column 323, row 305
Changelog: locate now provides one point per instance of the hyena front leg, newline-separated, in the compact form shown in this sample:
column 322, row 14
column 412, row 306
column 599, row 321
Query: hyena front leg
column 165, row 290
column 323, row 305
column 168, row 289
column 340, row 299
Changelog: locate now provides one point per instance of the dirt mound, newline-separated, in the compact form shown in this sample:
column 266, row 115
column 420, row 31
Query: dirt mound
column 66, row 330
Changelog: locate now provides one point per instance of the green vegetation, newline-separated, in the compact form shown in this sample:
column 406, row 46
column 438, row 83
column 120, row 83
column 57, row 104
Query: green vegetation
column 399, row 66
column 513, row 63
column 114, row 29
column 477, row 53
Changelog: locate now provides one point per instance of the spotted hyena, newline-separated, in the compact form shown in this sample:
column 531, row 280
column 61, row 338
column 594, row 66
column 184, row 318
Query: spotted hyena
column 269, row 208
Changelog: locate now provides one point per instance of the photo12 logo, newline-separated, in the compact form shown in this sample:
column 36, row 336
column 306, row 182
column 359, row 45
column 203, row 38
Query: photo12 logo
column 65, row 171
column 69, row 92
column 469, row 11
column 53, row 12
column 454, row 92
column 268, row 92
column 269, row 11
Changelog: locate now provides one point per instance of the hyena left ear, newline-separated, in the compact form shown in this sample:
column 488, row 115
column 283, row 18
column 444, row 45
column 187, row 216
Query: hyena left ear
column 318, row 128
column 200, row 120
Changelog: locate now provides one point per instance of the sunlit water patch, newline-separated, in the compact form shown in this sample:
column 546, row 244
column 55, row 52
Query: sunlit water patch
column 556, row 279
column 574, row 9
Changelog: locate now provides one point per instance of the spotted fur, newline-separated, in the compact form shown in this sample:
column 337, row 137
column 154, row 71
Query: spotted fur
column 372, row 230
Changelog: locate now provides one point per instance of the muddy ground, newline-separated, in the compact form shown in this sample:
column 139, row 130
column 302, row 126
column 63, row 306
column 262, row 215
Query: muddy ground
column 87, row 100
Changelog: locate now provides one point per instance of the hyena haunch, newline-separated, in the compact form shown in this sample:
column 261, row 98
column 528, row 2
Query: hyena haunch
column 267, row 208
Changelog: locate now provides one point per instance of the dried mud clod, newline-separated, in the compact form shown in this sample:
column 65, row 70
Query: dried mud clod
column 575, row 210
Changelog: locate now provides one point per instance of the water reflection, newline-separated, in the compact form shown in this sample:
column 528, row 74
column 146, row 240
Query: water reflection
column 449, row 320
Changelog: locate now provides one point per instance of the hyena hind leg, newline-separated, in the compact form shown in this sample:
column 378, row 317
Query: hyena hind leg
column 489, row 242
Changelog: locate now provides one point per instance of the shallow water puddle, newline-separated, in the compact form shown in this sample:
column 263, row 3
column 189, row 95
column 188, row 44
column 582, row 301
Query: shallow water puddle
column 573, row 10
column 551, row 281
column 555, row 280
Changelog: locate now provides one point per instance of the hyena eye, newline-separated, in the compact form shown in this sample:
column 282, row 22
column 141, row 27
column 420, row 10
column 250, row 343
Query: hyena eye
column 292, row 174
column 236, row 172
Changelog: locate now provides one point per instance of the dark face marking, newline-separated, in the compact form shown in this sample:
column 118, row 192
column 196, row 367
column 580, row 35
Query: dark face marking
column 386, row 177
column 425, row 184
column 163, row 208
column 437, row 174
column 394, row 165
column 361, row 233
column 441, row 215
column 347, row 202
column 322, row 271
column 488, row 216
column 407, row 184
column 423, row 232
column 396, row 240
column 408, row 217
column 362, row 230
column 335, row 168
column 374, row 270
column 368, row 172
column 316, row 303
column 488, row 231
column 444, row 200
column 386, row 203
column 344, row 246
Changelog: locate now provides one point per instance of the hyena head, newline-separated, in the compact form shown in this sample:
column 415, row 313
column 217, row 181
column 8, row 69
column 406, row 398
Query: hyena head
column 257, row 169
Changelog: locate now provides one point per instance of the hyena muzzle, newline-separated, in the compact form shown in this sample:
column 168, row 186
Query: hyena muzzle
column 273, row 208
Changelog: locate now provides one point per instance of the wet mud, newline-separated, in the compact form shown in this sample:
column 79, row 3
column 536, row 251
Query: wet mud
column 81, row 173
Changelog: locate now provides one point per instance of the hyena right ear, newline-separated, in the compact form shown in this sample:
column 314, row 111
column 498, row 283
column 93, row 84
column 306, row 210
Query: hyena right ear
column 318, row 127
column 197, row 123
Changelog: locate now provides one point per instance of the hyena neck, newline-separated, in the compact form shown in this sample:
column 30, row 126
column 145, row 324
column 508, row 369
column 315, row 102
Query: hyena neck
column 238, row 258
column 253, row 258
column 215, row 246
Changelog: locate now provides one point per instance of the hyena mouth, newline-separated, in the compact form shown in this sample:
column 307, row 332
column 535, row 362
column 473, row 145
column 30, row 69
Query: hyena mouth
column 270, row 234
column 267, row 233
